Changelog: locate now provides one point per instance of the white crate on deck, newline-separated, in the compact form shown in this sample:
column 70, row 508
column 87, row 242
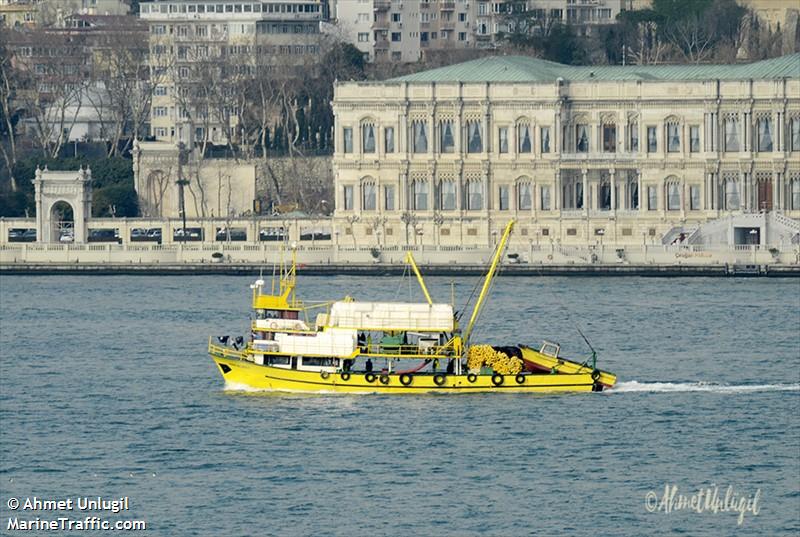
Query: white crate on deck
column 392, row 316
column 332, row 342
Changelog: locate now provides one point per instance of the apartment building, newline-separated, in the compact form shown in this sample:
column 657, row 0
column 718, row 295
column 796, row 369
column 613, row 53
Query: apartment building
column 199, row 49
column 30, row 13
column 404, row 30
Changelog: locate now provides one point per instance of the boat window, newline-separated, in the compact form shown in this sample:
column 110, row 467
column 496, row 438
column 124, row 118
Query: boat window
column 550, row 349
column 320, row 362
column 290, row 315
column 272, row 314
column 276, row 360
column 260, row 314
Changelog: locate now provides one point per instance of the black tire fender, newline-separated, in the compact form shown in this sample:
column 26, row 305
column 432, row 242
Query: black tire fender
column 369, row 377
column 497, row 379
column 406, row 379
column 384, row 379
column 439, row 379
column 472, row 377
column 520, row 379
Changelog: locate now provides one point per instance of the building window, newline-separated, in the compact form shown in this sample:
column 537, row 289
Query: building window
column 545, row 197
column 503, row 138
column 609, row 138
column 579, row 195
column 396, row 36
column 652, row 198
column 545, row 138
column 604, row 196
column 694, row 198
column 633, row 194
column 731, row 195
column 363, row 37
column 419, row 129
column 388, row 198
column 794, row 135
column 447, row 195
column 731, row 134
column 369, row 196
column 764, row 126
column 388, row 139
column 420, row 195
column 694, row 139
column 673, row 197
column 474, row 195
column 474, row 142
column 524, row 144
column 368, row 138
column 348, row 198
column 652, row 142
column 673, row 138
column 524, row 197
column 462, row 36
column 348, row 139
column 794, row 195
column 581, row 138
column 502, row 198
column 633, row 137
column 447, row 142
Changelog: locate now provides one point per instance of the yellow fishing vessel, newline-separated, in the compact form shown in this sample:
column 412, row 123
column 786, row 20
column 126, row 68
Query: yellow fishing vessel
column 420, row 346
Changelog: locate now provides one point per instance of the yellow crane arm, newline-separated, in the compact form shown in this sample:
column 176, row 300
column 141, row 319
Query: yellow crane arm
column 498, row 256
column 410, row 261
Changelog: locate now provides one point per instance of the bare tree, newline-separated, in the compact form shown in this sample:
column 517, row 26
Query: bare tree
column 8, row 84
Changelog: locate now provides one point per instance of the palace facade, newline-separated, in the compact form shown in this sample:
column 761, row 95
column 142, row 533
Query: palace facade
column 625, row 154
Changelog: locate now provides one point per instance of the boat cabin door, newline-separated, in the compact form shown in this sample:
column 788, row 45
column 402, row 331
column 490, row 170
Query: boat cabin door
column 294, row 362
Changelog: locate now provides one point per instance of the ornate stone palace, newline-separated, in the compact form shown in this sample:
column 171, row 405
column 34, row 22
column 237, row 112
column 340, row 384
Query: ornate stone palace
column 625, row 154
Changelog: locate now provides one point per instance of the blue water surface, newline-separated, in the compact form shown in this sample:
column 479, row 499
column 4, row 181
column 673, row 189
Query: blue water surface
column 106, row 390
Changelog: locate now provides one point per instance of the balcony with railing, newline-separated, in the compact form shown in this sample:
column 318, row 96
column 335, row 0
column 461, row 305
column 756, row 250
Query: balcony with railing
column 447, row 6
column 382, row 5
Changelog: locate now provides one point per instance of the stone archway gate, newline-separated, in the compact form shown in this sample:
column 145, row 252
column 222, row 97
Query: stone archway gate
column 72, row 187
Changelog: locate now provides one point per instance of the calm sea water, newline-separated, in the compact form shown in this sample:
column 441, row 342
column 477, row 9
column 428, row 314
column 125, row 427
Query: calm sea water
column 106, row 390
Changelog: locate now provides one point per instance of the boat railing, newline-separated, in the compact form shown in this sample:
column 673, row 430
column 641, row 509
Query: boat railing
column 225, row 352
column 406, row 351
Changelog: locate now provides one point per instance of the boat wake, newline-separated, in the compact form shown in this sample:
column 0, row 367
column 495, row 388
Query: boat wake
column 660, row 387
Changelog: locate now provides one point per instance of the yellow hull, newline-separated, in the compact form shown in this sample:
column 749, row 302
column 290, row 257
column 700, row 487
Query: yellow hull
column 560, row 366
column 238, row 372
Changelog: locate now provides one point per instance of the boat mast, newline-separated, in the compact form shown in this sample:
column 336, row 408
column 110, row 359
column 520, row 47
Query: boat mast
column 498, row 256
column 410, row 261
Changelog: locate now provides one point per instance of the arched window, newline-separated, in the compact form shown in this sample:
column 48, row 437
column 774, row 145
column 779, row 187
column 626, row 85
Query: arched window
column 673, row 192
column 369, row 196
column 475, row 195
column 447, row 195
column 474, row 138
column 368, row 137
column 447, row 142
column 582, row 138
column 732, row 133
column 419, row 190
column 633, row 193
column 609, row 136
column 604, row 194
column 794, row 194
column 673, row 136
column 524, row 138
column 524, row 196
column 731, row 193
column 764, row 127
column 419, row 132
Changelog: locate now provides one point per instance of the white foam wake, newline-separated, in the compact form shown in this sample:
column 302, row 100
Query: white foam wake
column 636, row 386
